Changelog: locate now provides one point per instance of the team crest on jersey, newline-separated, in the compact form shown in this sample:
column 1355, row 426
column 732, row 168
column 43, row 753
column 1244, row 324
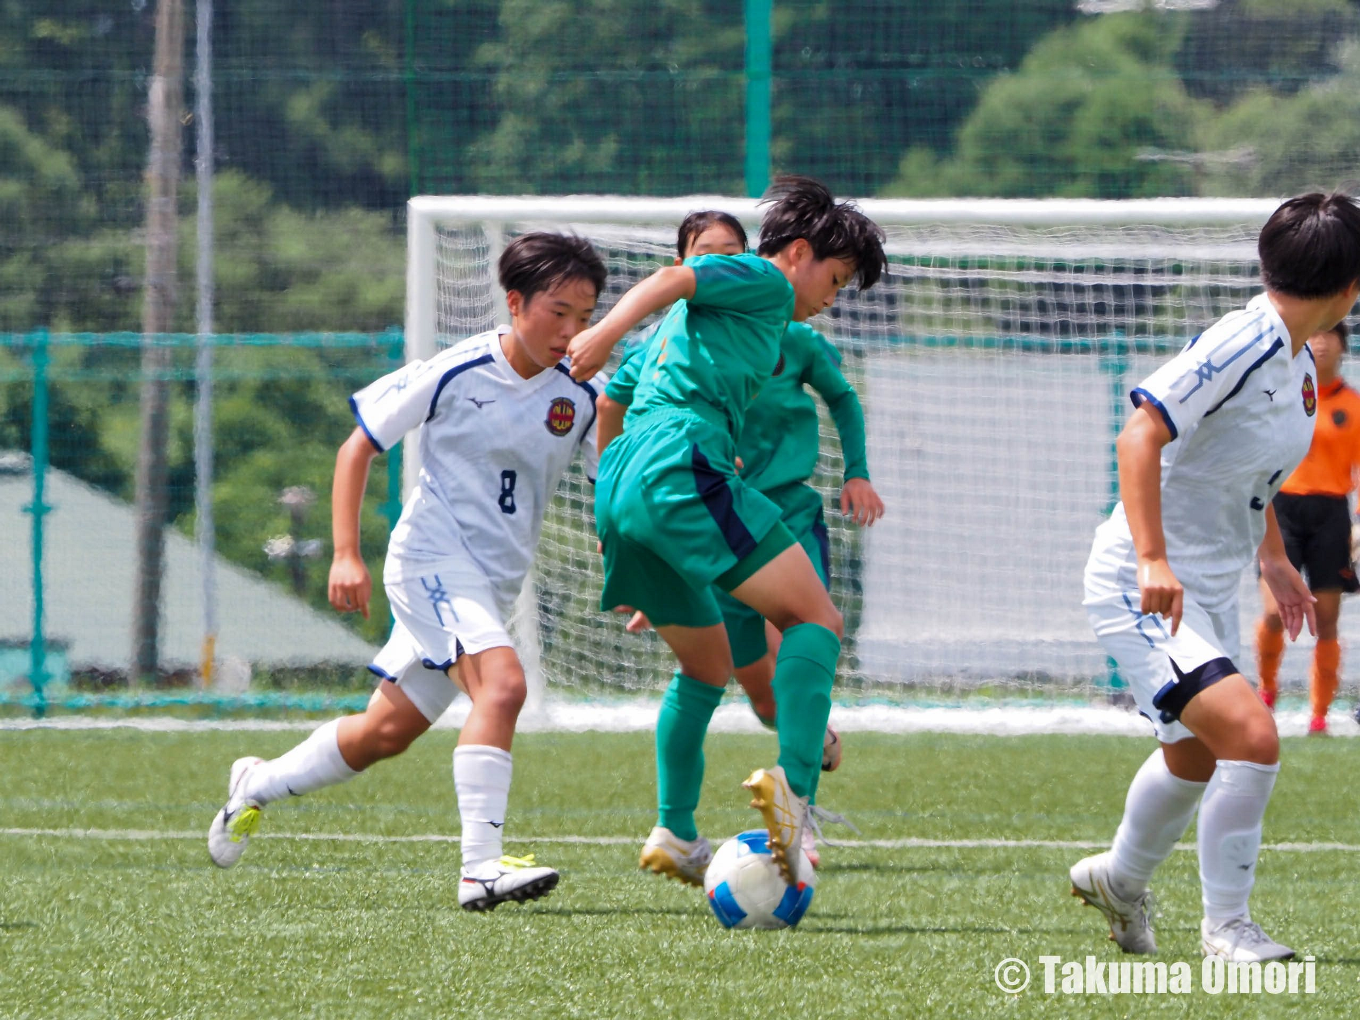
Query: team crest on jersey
column 1309, row 395
column 562, row 416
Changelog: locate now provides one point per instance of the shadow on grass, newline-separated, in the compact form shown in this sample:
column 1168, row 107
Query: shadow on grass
column 819, row 926
column 17, row 925
column 548, row 911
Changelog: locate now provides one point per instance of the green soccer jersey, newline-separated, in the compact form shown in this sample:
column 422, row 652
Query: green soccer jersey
column 781, row 440
column 715, row 350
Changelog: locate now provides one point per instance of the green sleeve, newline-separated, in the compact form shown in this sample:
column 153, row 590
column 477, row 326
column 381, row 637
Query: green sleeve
column 623, row 382
column 823, row 374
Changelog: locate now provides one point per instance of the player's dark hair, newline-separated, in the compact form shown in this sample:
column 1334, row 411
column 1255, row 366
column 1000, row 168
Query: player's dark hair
column 803, row 207
column 1342, row 332
column 697, row 222
column 1310, row 246
column 541, row 260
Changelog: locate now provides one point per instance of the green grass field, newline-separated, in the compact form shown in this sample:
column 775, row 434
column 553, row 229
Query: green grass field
column 118, row 913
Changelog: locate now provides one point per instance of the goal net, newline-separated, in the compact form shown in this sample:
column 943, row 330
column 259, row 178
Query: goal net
column 993, row 362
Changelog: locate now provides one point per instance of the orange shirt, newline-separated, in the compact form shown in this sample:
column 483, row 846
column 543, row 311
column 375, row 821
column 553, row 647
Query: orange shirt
column 1333, row 459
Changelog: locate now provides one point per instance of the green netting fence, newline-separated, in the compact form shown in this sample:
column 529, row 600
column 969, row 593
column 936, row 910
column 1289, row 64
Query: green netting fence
column 69, row 428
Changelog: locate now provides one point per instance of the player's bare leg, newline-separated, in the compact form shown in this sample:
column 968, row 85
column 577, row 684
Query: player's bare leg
column 788, row 592
column 337, row 751
column 494, row 680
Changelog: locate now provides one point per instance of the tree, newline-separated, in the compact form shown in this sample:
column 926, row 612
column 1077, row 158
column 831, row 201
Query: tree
column 1074, row 120
column 165, row 116
column 1305, row 142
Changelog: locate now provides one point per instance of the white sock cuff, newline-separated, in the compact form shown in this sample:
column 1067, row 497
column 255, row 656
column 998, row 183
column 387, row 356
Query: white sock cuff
column 485, row 751
column 1246, row 778
column 328, row 736
column 1188, row 785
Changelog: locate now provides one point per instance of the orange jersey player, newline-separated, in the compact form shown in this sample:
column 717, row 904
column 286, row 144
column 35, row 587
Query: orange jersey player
column 1314, row 514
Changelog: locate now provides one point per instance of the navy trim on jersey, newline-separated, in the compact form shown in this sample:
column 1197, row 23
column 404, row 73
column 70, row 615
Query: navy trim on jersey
column 354, row 409
column 1311, row 355
column 1274, row 349
column 381, row 673
column 1176, row 694
column 1149, row 398
column 452, row 374
column 585, row 386
column 1206, row 369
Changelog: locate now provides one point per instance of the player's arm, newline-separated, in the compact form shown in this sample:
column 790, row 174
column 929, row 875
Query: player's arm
column 609, row 413
column 859, row 499
column 350, row 586
column 1139, row 450
column 1296, row 603
column 590, row 348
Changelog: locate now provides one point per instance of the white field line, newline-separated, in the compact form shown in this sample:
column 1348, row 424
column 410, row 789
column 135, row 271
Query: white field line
column 910, row 843
column 735, row 717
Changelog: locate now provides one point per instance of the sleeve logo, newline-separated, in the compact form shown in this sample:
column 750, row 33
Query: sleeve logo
column 562, row 416
column 1309, row 395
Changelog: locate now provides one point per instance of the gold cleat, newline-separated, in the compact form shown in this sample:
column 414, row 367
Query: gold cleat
column 668, row 855
column 784, row 816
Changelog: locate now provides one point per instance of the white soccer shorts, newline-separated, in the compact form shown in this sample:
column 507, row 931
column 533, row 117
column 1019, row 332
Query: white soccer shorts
column 1163, row 672
column 447, row 610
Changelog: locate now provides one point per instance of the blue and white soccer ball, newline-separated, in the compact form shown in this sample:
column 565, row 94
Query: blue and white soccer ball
column 746, row 890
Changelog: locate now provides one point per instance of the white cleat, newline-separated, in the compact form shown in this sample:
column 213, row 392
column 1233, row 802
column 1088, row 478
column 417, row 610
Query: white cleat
column 1241, row 940
column 511, row 878
column 667, row 854
column 237, row 821
column 785, row 817
column 1130, row 927
column 831, row 751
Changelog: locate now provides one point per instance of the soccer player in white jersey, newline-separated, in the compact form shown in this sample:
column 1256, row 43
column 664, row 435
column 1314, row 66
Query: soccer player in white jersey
column 1215, row 432
column 503, row 419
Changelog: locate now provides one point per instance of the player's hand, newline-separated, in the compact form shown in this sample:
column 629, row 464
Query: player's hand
column 1296, row 603
column 589, row 350
column 1161, row 592
column 350, row 586
column 861, row 501
column 638, row 623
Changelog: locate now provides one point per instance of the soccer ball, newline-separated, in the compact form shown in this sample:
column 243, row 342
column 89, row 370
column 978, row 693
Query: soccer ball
column 746, row 890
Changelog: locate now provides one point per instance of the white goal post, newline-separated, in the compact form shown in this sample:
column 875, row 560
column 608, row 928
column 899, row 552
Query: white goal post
column 993, row 363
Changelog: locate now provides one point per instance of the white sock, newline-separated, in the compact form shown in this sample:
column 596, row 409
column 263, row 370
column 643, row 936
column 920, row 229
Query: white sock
column 313, row 764
column 481, row 778
column 1230, row 836
column 1157, row 811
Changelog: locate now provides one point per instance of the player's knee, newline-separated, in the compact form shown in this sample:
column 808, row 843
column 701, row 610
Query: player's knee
column 1273, row 622
column 1327, row 628
column 713, row 668
column 832, row 620
column 505, row 697
column 1258, row 741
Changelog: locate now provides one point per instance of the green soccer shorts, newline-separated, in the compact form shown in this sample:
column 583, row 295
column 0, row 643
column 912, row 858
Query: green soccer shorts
column 675, row 518
column 801, row 507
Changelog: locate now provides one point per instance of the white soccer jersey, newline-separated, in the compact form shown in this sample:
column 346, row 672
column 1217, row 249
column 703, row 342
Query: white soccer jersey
column 1240, row 409
column 492, row 451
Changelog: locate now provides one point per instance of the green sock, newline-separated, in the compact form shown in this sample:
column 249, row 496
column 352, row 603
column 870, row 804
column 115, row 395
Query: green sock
column 802, row 698
column 680, row 728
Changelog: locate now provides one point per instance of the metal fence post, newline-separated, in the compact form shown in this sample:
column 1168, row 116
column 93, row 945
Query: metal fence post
column 37, row 670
